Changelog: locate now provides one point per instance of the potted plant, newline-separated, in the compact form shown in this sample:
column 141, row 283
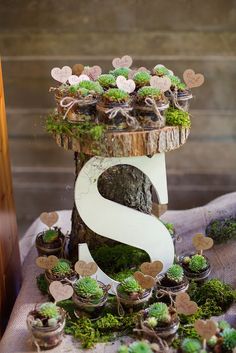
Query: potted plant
column 159, row 320
column 115, row 110
column 131, row 295
column 191, row 345
column 120, row 71
column 172, row 282
column 179, row 95
column 50, row 242
column 62, row 272
column 46, row 323
column 107, row 81
column 89, row 296
column 160, row 70
column 150, row 104
column 138, row 347
column 196, row 267
column 141, row 78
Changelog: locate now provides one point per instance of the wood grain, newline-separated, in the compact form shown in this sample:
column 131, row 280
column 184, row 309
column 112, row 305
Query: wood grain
column 9, row 248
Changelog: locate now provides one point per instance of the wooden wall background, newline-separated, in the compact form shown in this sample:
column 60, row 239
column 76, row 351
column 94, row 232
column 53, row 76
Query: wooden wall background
column 37, row 35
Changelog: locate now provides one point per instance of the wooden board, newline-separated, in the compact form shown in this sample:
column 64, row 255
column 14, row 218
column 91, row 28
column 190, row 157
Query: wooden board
column 128, row 143
column 9, row 248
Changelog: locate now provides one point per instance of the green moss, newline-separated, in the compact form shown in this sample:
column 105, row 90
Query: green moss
column 177, row 117
column 175, row 273
column 142, row 78
column 50, row 235
column 62, row 268
column 160, row 70
column 197, row 263
column 120, row 276
column 148, row 91
column 130, row 285
column 88, row 288
column 222, row 230
column 49, row 310
column 107, row 80
column 170, row 227
column 42, row 283
column 116, row 95
column 120, row 71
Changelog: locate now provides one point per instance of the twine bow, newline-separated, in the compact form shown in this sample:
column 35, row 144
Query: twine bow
column 174, row 96
column 152, row 103
column 130, row 120
column 71, row 101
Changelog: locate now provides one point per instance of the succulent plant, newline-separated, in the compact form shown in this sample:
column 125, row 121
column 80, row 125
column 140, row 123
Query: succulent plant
column 175, row 273
column 197, row 263
column 130, row 285
column 142, row 78
column 116, row 95
column 52, row 322
column 212, row 341
column 140, row 347
column 89, row 288
column 160, row 312
column 79, row 90
column 191, row 345
column 120, row 71
column 62, row 268
column 229, row 338
column 107, row 80
column 160, row 70
column 177, row 117
column 152, row 322
column 91, row 86
column 49, row 310
column 50, row 235
column 148, row 91
column 176, row 82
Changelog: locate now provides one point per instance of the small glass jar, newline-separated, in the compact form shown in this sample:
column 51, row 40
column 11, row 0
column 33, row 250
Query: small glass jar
column 199, row 277
column 55, row 248
column 164, row 292
column 134, row 304
column 147, row 116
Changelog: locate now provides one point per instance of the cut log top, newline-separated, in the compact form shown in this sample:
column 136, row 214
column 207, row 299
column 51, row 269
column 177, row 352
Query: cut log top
column 128, row 143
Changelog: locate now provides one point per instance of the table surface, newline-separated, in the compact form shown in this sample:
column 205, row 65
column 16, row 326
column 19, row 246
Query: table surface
column 187, row 223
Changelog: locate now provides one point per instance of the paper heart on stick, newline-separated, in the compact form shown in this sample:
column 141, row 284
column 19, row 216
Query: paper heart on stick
column 77, row 69
column 85, row 269
column 125, row 61
column 93, row 72
column 47, row 263
column 60, row 291
column 191, row 79
column 74, row 80
column 49, row 218
column 152, row 268
column 61, row 75
column 206, row 329
column 184, row 305
column 163, row 83
column 201, row 242
column 145, row 281
column 126, row 85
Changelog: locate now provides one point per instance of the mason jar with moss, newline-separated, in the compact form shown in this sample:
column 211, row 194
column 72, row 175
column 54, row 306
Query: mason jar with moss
column 150, row 105
column 78, row 103
column 62, row 272
column 179, row 95
column 50, row 242
column 115, row 110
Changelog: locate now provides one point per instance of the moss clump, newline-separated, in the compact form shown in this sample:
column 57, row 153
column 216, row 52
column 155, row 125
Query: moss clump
column 160, row 70
column 42, row 283
column 151, row 92
column 88, row 288
column 50, row 235
column 177, row 117
column 222, row 230
column 107, row 80
column 116, row 95
column 190, row 345
column 175, row 273
column 49, row 311
column 62, row 268
column 170, row 227
column 120, row 71
column 122, row 275
column 197, row 263
column 142, row 78
column 229, row 339
column 130, row 285
column 160, row 312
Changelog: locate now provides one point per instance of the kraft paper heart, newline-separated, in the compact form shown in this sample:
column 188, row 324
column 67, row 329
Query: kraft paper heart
column 47, row 263
column 60, row 291
column 93, row 72
column 163, row 83
column 61, row 75
column 85, row 269
column 201, row 242
column 77, row 69
column 74, row 80
column 193, row 80
column 49, row 218
column 126, row 85
column 125, row 61
column 151, row 268
column 145, row 281
column 184, row 305
column 206, row 329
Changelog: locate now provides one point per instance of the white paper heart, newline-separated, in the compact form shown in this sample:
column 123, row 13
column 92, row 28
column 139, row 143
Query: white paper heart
column 60, row 291
column 126, row 85
column 163, row 83
column 125, row 61
column 93, row 72
column 61, row 75
column 74, row 79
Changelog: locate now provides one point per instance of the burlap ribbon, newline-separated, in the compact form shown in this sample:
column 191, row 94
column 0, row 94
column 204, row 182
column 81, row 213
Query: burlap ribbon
column 130, row 120
column 71, row 101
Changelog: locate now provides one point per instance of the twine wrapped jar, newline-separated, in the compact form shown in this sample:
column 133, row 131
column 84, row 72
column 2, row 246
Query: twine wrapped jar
column 116, row 111
column 50, row 242
column 179, row 95
column 62, row 272
column 150, row 105
column 192, row 267
column 46, row 332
